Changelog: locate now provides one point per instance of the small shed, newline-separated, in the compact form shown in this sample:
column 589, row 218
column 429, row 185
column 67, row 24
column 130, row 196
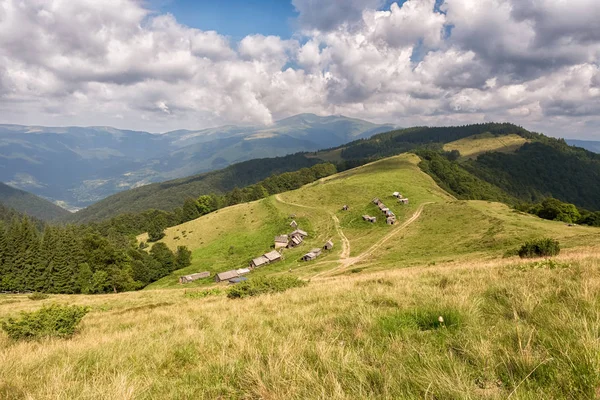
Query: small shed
column 345, row 207
column 294, row 224
column 376, row 201
column 259, row 262
column 328, row 245
column 193, row 277
column 225, row 276
column 243, row 271
column 309, row 256
column 396, row 194
column 372, row 220
column 295, row 241
column 403, row 201
column 281, row 241
column 239, row 279
column 390, row 220
column 366, row 217
column 299, row 232
column 316, row 251
column 389, row 213
column 382, row 206
column 385, row 210
column 273, row 256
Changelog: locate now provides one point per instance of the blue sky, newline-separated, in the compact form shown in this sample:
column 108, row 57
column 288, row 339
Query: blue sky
column 128, row 63
column 238, row 18
column 234, row 18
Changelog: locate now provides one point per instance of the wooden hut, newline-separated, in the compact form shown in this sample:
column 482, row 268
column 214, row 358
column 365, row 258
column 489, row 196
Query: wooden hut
column 316, row 251
column 259, row 262
column 328, row 245
column 281, row 241
column 345, row 207
column 225, row 276
column 193, row 277
column 243, row 271
column 294, row 224
column 296, row 240
column 299, row 232
column 390, row 220
column 403, row 201
column 273, row 256
column 309, row 256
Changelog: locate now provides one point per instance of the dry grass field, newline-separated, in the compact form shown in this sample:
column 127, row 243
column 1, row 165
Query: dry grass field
column 524, row 330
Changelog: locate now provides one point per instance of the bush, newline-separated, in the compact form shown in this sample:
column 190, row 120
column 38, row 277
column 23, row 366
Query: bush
column 258, row 286
column 38, row 296
column 540, row 248
column 203, row 293
column 49, row 321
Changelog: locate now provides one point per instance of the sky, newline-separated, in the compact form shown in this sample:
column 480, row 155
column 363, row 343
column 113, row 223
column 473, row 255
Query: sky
column 160, row 65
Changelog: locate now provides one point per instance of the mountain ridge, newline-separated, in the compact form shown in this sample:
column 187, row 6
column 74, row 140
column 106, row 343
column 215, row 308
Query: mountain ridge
column 78, row 166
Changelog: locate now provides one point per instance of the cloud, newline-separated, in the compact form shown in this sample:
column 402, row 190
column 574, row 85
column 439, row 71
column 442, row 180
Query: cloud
column 533, row 62
column 329, row 15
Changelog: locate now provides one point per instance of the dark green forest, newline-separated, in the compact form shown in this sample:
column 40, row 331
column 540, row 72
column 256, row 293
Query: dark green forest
column 167, row 196
column 77, row 259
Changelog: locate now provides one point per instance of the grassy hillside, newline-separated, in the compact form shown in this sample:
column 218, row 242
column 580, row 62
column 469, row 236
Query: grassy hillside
column 171, row 194
column 31, row 204
column 367, row 325
column 433, row 228
column 525, row 330
column 522, row 165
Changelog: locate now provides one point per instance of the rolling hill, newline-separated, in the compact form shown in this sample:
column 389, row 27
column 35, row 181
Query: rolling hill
column 78, row 166
column 509, row 162
column 30, row 204
column 433, row 228
column 434, row 306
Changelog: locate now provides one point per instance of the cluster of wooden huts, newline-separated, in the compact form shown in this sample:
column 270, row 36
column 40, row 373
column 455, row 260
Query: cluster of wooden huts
column 316, row 252
column 390, row 217
column 401, row 199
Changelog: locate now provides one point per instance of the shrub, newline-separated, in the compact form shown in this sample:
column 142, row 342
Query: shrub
column 203, row 293
column 540, row 248
column 258, row 286
column 38, row 296
column 49, row 321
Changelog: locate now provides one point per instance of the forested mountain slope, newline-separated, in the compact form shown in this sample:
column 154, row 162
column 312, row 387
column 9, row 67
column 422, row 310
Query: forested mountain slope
column 31, row 204
column 501, row 155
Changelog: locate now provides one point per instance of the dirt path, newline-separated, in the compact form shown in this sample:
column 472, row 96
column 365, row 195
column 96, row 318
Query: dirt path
column 336, row 222
column 345, row 259
column 349, row 261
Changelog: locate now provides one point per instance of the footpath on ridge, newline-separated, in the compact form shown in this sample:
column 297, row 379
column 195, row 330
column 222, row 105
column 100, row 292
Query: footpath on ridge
column 345, row 260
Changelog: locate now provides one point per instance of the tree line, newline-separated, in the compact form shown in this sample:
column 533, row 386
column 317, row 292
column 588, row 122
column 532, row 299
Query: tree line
column 156, row 221
column 78, row 259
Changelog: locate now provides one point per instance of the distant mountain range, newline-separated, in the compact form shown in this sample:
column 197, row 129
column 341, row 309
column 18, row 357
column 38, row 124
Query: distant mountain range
column 30, row 204
column 590, row 145
column 76, row 166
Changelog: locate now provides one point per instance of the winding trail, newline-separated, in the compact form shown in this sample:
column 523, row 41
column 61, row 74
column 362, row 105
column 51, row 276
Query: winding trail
column 345, row 259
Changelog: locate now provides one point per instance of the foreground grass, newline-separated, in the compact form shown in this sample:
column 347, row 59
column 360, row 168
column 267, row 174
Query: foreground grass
column 527, row 330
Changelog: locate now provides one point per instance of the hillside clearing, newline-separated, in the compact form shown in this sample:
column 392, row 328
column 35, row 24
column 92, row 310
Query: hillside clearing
column 446, row 231
column 473, row 146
